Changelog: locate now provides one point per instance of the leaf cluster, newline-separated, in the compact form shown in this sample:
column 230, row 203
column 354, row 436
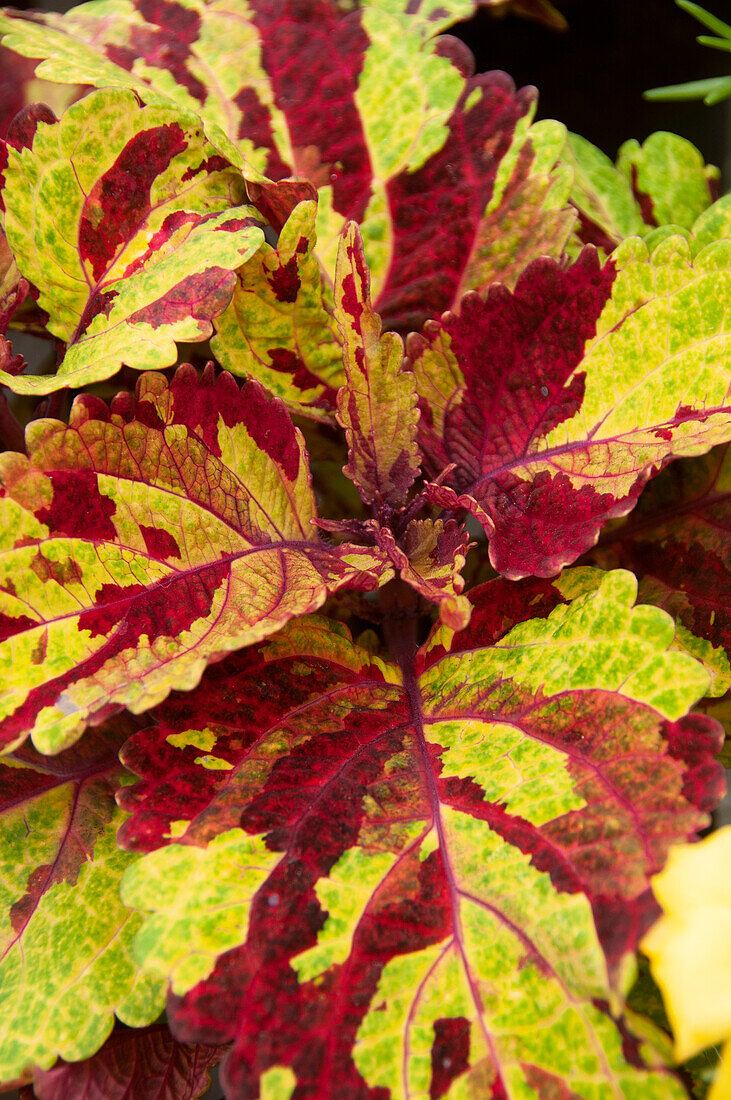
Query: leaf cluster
column 364, row 586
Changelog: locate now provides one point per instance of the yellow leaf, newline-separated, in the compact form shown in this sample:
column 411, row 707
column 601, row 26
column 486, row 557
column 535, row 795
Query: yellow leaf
column 690, row 946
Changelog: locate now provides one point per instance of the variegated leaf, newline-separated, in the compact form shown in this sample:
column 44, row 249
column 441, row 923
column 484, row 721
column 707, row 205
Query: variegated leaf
column 558, row 402
column 130, row 225
column 377, row 403
column 59, row 884
column 418, row 870
column 279, row 327
column 145, row 540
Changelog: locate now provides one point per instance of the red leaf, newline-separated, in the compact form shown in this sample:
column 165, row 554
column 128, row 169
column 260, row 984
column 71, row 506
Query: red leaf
column 437, row 209
column 138, row 1064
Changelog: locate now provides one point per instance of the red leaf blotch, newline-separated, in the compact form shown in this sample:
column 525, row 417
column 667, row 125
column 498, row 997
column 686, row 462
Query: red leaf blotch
column 166, row 610
column 112, row 601
column 10, row 626
column 313, row 56
column 285, row 282
column 160, row 544
column 62, row 573
column 23, row 128
column 289, row 362
column 436, row 210
column 644, row 201
column 256, row 126
column 216, row 163
column 449, row 1054
column 185, row 23
column 200, row 403
column 170, row 224
column 125, row 615
column 78, row 509
column 543, row 524
column 202, row 295
column 165, row 45
column 276, row 201
column 120, row 200
column 352, row 304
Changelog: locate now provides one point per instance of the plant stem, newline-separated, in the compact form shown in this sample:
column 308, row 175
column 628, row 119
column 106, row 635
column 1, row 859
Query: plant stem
column 399, row 603
column 11, row 430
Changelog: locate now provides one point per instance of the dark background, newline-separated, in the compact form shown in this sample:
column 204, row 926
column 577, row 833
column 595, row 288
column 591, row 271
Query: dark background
column 591, row 77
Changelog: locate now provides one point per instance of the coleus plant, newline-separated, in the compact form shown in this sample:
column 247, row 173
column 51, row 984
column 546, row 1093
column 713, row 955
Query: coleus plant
column 365, row 575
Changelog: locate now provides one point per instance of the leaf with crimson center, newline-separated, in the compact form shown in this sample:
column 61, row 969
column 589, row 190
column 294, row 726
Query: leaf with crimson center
column 424, row 862
column 555, row 404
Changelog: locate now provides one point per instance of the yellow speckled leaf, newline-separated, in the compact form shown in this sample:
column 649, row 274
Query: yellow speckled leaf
column 200, row 898
column 279, row 327
column 377, row 403
column 66, row 962
column 131, row 227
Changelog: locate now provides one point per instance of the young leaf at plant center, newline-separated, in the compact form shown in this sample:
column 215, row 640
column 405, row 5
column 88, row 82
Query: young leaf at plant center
column 424, row 840
column 143, row 1064
column 304, row 95
column 558, row 402
column 59, row 882
column 130, row 226
column 377, row 403
column 145, row 540
column 430, row 559
column 664, row 182
column 279, row 326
